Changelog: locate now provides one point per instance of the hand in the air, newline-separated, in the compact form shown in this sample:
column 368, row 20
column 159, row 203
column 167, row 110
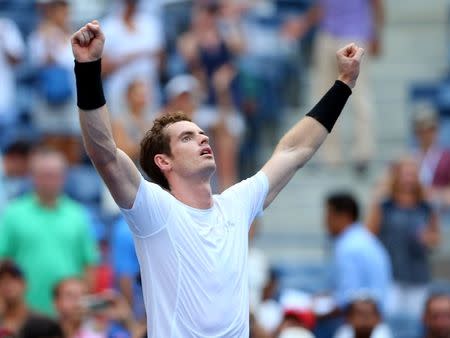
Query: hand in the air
column 349, row 60
column 88, row 42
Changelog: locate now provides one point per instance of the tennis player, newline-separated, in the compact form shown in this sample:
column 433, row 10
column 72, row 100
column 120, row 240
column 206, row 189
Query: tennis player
column 191, row 244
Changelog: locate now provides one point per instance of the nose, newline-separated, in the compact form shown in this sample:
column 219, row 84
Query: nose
column 204, row 139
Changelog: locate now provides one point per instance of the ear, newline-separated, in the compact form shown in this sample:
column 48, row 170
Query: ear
column 163, row 162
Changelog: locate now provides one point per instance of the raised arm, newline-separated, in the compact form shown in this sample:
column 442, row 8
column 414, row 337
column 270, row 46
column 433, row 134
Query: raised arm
column 302, row 141
column 116, row 168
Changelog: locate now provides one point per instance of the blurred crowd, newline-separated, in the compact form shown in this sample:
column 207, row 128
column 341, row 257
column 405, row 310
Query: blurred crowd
column 68, row 266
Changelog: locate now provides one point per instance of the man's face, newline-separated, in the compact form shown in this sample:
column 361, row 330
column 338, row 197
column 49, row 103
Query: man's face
column 12, row 289
column 192, row 155
column 437, row 318
column 426, row 135
column 48, row 176
column 68, row 304
column 364, row 318
column 332, row 221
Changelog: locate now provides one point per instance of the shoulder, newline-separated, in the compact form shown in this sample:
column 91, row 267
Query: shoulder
column 19, row 204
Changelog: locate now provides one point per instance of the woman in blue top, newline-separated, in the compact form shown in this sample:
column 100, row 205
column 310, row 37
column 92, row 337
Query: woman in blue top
column 408, row 227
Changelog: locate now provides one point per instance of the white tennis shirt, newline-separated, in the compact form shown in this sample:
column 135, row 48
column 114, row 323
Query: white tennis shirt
column 194, row 262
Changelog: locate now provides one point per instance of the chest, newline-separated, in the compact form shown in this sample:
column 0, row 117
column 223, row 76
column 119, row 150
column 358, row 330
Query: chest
column 403, row 221
column 43, row 229
column 211, row 244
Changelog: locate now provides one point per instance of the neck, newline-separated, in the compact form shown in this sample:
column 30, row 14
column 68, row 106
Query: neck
column 194, row 194
column 128, row 13
column 70, row 327
column 49, row 202
column 136, row 110
column 15, row 315
column 425, row 146
column 405, row 199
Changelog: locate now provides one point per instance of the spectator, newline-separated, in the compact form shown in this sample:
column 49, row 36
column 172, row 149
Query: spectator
column 436, row 317
column 52, row 59
column 269, row 314
column 17, row 318
column 209, row 53
column 126, row 268
column 130, row 127
column 11, row 53
column 16, row 158
column 364, row 320
column 38, row 328
column 134, row 52
column 47, row 233
column 82, row 315
column 360, row 262
column 407, row 226
column 184, row 94
column 434, row 161
column 341, row 22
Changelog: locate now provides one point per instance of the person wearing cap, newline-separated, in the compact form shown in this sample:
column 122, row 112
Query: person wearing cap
column 17, row 318
column 434, row 160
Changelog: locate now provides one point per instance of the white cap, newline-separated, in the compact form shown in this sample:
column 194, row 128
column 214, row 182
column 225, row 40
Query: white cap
column 181, row 84
column 295, row 332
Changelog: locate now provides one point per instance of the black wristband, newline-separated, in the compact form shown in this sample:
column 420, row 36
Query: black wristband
column 89, row 85
column 328, row 109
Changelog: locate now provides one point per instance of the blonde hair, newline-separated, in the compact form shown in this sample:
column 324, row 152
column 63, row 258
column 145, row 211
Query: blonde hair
column 395, row 178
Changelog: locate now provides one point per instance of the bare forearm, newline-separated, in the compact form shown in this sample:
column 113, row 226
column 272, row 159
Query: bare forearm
column 303, row 140
column 126, row 287
column 309, row 133
column 97, row 135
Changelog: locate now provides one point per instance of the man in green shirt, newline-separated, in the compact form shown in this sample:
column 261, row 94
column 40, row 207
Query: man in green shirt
column 46, row 233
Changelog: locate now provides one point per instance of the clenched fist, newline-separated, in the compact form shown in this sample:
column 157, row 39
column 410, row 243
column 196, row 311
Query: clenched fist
column 88, row 42
column 349, row 60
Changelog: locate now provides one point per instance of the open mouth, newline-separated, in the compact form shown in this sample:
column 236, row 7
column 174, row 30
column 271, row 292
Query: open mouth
column 206, row 151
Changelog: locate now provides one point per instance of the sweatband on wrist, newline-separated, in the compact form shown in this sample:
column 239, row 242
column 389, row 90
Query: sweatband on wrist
column 88, row 76
column 328, row 109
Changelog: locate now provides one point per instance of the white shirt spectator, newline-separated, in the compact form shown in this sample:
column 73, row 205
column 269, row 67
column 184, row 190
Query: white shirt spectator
column 146, row 40
column 11, row 45
column 194, row 261
column 50, row 44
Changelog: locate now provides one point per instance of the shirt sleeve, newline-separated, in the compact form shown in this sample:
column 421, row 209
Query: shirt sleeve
column 12, row 40
column 150, row 209
column 249, row 195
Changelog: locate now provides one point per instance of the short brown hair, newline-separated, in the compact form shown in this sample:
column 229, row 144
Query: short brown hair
column 157, row 141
